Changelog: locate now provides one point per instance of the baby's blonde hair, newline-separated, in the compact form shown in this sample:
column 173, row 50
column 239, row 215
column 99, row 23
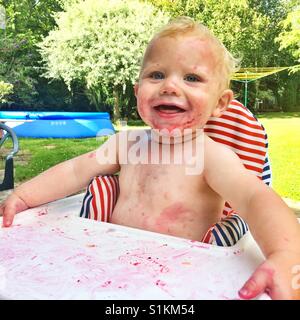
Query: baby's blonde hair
column 185, row 25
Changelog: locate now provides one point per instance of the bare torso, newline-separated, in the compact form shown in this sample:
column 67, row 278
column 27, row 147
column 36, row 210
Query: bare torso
column 163, row 198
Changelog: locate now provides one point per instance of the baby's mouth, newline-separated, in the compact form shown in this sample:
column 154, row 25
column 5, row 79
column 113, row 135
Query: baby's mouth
column 169, row 108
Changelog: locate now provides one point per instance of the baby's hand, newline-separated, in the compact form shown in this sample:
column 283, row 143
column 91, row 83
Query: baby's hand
column 277, row 277
column 11, row 206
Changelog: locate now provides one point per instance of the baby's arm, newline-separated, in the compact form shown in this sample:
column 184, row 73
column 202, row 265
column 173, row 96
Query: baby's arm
column 272, row 224
column 59, row 181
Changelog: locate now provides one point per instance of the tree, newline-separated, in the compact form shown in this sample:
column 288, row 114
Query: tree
column 15, row 68
column 239, row 26
column 24, row 23
column 100, row 45
column 289, row 38
column 248, row 28
column 5, row 89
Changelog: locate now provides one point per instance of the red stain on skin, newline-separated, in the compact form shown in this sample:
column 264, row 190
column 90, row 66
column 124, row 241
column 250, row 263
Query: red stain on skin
column 171, row 213
column 141, row 109
column 193, row 122
column 171, row 216
column 268, row 271
column 92, row 155
column 186, row 121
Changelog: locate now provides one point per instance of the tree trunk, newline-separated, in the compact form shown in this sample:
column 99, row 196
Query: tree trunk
column 117, row 114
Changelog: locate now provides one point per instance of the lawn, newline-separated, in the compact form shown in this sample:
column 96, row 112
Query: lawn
column 284, row 148
column 36, row 155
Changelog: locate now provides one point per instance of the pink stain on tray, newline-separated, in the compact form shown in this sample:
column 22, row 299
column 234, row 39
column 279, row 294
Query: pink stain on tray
column 76, row 258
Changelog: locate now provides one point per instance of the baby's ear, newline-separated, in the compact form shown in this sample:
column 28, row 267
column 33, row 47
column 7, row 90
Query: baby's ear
column 136, row 89
column 223, row 103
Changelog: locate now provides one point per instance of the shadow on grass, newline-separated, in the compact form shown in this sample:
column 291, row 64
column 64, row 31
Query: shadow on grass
column 131, row 123
column 278, row 115
column 136, row 123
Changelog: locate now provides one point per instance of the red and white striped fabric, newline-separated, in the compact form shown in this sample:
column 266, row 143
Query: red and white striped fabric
column 100, row 198
column 237, row 128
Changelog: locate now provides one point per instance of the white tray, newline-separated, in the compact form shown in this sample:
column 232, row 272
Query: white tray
column 51, row 253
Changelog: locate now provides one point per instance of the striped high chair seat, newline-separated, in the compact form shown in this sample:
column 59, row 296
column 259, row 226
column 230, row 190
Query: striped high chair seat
column 240, row 131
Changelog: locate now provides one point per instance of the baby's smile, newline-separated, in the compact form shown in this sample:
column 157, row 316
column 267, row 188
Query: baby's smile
column 169, row 110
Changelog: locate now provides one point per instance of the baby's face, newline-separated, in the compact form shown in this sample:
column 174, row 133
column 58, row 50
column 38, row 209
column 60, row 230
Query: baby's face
column 180, row 84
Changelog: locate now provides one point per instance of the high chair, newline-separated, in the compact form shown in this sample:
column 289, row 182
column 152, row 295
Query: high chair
column 5, row 134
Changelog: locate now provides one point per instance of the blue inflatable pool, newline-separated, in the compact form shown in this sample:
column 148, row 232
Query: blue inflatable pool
column 58, row 124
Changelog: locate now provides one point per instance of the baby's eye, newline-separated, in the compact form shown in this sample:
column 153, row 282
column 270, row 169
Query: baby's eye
column 157, row 75
column 192, row 78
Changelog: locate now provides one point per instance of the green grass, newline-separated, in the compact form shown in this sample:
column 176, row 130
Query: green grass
column 37, row 155
column 284, row 148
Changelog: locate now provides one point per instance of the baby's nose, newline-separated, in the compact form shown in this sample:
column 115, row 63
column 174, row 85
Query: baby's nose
column 169, row 87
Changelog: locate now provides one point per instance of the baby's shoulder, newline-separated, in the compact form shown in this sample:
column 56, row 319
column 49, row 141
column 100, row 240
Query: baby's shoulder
column 211, row 145
column 214, row 150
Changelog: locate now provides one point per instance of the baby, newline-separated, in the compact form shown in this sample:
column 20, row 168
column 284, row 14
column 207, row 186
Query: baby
column 184, row 80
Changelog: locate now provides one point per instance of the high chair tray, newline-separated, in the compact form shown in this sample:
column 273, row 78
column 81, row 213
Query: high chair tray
column 52, row 253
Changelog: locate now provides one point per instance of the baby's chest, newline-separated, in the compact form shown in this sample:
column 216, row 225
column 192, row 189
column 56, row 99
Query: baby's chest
column 158, row 178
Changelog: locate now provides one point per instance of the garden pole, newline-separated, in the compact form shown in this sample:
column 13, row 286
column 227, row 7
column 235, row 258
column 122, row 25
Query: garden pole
column 246, row 93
